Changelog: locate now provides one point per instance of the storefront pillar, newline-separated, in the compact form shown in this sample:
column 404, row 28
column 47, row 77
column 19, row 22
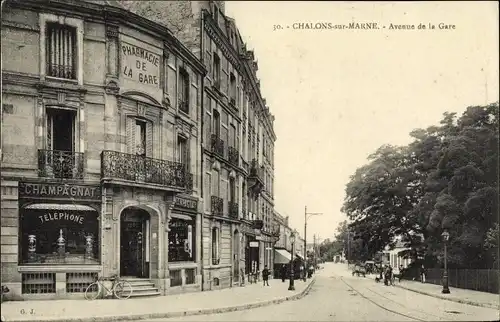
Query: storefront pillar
column 198, row 248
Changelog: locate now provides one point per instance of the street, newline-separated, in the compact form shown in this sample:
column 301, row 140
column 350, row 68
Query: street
column 337, row 296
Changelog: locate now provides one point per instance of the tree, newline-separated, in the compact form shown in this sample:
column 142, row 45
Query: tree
column 447, row 178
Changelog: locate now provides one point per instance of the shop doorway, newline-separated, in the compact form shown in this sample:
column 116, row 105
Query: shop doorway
column 134, row 243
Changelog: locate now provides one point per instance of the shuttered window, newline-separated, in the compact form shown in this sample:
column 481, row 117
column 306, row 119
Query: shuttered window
column 139, row 137
column 61, row 51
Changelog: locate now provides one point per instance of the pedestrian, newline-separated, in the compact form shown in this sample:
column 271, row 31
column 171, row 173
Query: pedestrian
column 265, row 276
column 283, row 273
column 422, row 274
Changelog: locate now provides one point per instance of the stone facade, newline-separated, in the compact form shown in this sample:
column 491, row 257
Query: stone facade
column 96, row 96
column 238, row 141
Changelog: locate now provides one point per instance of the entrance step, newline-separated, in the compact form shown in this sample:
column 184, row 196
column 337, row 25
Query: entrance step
column 142, row 287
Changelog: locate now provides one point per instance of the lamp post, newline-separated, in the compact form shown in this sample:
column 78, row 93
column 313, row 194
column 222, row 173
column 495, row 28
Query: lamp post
column 446, row 289
column 291, row 287
column 306, row 216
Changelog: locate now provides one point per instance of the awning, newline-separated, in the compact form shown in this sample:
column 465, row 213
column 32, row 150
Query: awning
column 299, row 256
column 57, row 206
column 282, row 256
column 181, row 216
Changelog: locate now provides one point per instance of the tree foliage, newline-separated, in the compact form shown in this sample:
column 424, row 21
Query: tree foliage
column 446, row 178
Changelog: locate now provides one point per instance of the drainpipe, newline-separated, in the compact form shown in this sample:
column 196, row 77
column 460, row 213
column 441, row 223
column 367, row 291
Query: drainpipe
column 201, row 147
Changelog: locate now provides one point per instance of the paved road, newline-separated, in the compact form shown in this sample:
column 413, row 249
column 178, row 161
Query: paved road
column 337, row 296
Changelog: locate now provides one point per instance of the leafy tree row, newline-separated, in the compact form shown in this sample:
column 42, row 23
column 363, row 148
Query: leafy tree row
column 446, row 178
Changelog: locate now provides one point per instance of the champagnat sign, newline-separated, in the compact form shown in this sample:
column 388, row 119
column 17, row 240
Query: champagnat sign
column 140, row 65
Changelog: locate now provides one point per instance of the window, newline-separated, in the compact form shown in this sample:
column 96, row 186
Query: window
column 53, row 237
column 59, row 159
column 183, row 90
column 216, row 14
column 183, row 151
column 216, row 70
column 60, row 130
column 139, row 133
column 140, row 138
column 215, row 246
column 216, row 182
column 216, row 123
column 232, row 190
column 232, row 136
column 181, row 240
column 61, row 51
column 232, row 88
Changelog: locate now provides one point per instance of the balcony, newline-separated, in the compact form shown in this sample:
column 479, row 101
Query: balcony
column 234, row 156
column 255, row 178
column 276, row 231
column 233, row 210
column 217, row 145
column 136, row 168
column 60, row 164
column 217, row 206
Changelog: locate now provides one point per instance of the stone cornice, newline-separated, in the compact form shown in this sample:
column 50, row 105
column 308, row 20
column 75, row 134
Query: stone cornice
column 118, row 16
column 221, row 40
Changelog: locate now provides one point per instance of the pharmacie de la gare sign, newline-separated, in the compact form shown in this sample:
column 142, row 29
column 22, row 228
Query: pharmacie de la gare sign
column 140, row 65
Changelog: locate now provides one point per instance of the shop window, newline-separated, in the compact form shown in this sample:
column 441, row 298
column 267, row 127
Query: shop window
column 183, row 90
column 52, row 237
column 181, row 240
column 61, row 51
column 215, row 246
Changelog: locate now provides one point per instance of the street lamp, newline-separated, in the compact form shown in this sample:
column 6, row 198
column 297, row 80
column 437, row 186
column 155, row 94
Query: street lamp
column 446, row 237
column 306, row 216
column 291, row 287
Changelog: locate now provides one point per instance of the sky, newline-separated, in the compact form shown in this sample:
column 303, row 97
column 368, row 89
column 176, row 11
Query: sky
column 338, row 95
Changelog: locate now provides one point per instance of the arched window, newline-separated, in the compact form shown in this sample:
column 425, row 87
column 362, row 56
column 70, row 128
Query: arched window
column 215, row 246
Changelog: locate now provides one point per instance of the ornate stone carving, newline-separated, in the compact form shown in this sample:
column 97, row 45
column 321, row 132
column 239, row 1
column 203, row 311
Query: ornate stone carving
column 112, row 86
column 141, row 110
column 166, row 100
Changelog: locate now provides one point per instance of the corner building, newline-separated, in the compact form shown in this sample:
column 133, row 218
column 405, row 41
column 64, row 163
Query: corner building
column 101, row 151
column 237, row 143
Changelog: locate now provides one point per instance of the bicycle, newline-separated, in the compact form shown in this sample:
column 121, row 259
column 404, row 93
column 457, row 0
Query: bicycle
column 120, row 289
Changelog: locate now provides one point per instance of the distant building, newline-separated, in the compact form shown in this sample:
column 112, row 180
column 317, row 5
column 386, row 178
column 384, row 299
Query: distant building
column 394, row 257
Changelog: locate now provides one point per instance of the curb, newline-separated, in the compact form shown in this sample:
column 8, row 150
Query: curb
column 452, row 299
column 145, row 316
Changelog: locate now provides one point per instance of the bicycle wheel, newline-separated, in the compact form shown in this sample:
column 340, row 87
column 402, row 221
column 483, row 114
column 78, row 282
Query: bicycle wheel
column 122, row 290
column 92, row 292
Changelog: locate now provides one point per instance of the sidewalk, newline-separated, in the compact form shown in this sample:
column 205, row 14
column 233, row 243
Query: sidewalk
column 456, row 294
column 208, row 302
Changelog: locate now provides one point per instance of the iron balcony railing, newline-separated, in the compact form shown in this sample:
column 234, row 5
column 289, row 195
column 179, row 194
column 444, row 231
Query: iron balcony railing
column 131, row 167
column 61, row 164
column 217, row 145
column 233, row 210
column 256, row 171
column 217, row 205
column 234, row 156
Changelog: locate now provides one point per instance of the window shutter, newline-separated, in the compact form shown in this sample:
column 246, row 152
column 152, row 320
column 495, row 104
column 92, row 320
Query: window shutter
column 130, row 135
column 149, row 139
